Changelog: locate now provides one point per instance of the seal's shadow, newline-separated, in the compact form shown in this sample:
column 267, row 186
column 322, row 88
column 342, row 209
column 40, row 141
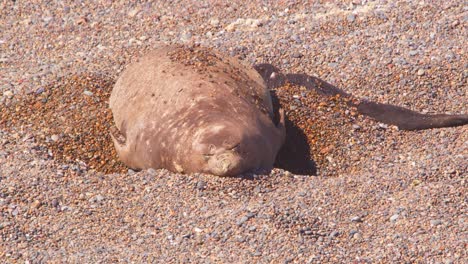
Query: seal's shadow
column 295, row 154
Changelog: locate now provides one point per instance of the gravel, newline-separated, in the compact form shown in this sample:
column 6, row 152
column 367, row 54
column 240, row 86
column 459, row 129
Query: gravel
column 381, row 195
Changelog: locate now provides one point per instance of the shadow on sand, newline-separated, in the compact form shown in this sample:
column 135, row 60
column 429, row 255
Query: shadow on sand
column 295, row 153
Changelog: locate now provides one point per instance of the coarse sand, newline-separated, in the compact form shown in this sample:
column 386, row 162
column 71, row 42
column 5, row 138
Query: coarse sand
column 380, row 195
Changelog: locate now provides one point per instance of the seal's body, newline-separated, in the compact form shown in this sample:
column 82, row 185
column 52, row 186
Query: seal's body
column 193, row 110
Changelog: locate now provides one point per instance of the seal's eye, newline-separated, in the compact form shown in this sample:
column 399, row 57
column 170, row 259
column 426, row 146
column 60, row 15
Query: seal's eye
column 235, row 148
column 210, row 152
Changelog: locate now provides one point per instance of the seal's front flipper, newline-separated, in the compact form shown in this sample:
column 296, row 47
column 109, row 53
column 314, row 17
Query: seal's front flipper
column 279, row 132
column 406, row 119
column 123, row 147
column 117, row 136
column 281, row 126
column 275, row 79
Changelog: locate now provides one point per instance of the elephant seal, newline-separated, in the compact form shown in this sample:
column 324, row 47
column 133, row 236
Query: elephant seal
column 190, row 109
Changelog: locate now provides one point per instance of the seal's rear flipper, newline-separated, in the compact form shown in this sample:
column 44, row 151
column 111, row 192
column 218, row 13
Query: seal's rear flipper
column 406, row 119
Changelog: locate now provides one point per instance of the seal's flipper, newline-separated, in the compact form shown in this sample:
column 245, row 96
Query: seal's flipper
column 271, row 75
column 117, row 136
column 275, row 79
column 406, row 119
column 281, row 126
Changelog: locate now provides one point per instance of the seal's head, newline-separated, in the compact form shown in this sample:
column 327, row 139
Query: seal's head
column 223, row 147
column 231, row 147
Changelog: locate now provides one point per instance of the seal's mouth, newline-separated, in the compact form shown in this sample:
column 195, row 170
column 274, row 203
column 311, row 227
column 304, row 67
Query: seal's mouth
column 222, row 149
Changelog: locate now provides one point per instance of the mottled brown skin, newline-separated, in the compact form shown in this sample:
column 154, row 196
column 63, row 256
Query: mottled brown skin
column 192, row 110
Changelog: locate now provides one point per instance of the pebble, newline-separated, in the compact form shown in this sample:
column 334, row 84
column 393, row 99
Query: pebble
column 185, row 37
column 356, row 219
column 214, row 22
column 334, row 233
column 296, row 55
column 133, row 12
column 297, row 39
column 394, row 217
column 4, row 224
column 201, row 185
column 383, row 126
column 244, row 24
column 55, row 203
column 151, row 171
column 36, row 204
column 39, row 90
column 14, row 212
column 8, row 94
column 54, row 137
column 242, row 220
column 88, row 93
column 99, row 198
column 436, row 222
column 351, row 18
column 421, row 72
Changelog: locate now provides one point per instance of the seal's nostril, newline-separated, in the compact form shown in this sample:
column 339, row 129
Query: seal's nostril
column 207, row 157
column 225, row 164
